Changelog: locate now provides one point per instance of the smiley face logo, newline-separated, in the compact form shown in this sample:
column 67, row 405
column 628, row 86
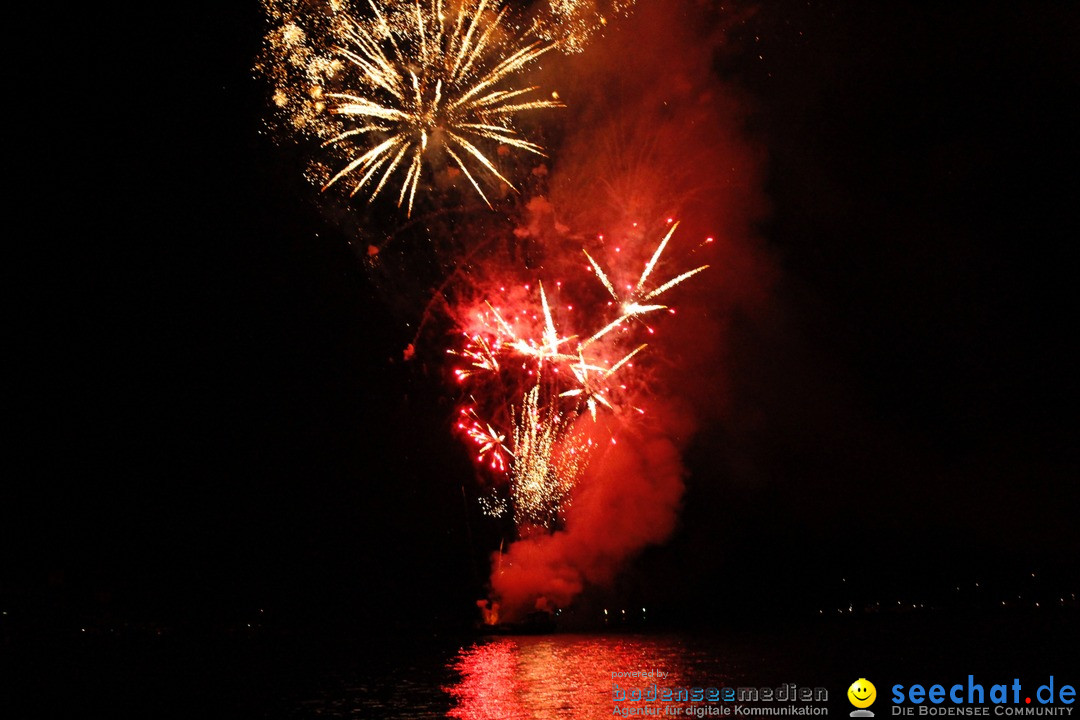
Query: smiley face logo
column 862, row 693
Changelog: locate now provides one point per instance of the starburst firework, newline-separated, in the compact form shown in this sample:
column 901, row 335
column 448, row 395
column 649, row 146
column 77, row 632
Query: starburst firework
column 531, row 382
column 428, row 76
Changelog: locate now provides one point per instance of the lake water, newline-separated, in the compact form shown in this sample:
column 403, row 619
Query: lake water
column 571, row 676
column 520, row 678
column 430, row 675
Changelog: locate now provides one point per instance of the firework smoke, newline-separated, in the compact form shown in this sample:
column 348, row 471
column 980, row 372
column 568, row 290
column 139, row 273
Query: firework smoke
column 628, row 500
column 662, row 140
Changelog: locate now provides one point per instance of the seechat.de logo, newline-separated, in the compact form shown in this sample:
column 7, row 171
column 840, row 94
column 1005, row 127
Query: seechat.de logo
column 862, row 694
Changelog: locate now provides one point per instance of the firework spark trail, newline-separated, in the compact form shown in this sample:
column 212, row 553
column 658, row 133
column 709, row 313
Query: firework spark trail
column 405, row 80
column 534, row 381
column 490, row 443
column 549, row 457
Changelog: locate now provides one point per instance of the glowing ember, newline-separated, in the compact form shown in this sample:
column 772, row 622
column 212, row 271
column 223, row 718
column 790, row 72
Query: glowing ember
column 572, row 23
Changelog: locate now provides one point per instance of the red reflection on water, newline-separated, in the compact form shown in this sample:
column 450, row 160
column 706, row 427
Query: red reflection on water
column 557, row 676
column 488, row 687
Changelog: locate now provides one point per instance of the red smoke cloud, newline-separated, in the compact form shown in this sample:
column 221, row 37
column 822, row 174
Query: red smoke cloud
column 650, row 133
column 628, row 499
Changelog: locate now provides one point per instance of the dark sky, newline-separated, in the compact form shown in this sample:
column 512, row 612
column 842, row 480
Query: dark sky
column 206, row 414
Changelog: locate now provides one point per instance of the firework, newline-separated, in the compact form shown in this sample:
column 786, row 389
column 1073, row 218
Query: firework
column 572, row 23
column 491, row 447
column 404, row 81
column 298, row 62
column 549, row 457
column 529, row 383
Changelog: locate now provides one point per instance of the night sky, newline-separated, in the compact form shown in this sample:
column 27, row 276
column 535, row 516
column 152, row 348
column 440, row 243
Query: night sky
column 210, row 413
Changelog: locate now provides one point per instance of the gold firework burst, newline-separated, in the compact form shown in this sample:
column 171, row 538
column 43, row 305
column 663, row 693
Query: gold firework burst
column 430, row 75
column 549, row 458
